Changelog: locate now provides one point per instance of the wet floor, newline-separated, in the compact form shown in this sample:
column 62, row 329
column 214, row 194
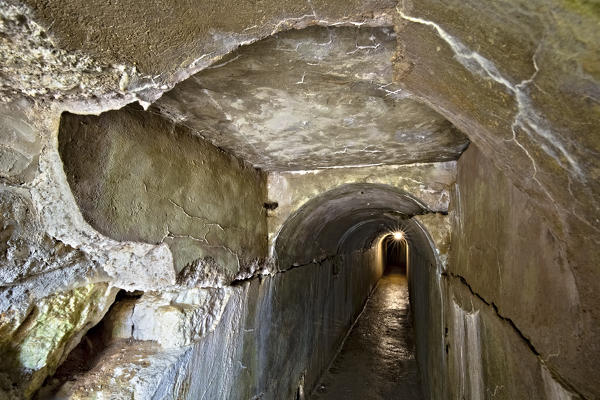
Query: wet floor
column 377, row 361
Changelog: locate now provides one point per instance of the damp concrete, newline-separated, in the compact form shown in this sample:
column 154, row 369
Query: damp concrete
column 377, row 361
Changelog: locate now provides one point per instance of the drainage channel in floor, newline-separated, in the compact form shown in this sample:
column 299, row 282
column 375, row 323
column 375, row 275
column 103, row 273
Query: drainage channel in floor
column 377, row 361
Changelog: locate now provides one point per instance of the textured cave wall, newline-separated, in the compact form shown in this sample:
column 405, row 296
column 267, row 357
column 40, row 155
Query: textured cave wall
column 520, row 78
column 515, row 289
column 51, row 291
column 140, row 178
column 60, row 275
column 119, row 52
column 185, row 28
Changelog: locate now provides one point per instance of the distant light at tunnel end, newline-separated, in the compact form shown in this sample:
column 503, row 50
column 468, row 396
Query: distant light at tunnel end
column 398, row 235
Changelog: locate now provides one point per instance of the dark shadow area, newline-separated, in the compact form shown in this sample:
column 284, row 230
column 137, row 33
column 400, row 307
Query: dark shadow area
column 395, row 255
column 87, row 355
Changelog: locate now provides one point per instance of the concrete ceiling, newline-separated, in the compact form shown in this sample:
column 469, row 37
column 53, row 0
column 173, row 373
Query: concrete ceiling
column 312, row 98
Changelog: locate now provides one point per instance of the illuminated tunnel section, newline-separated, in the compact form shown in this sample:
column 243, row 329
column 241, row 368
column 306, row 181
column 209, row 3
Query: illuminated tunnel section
column 349, row 225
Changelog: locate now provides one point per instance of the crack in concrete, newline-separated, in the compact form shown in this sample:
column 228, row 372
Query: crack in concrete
column 263, row 270
column 224, row 63
column 516, row 329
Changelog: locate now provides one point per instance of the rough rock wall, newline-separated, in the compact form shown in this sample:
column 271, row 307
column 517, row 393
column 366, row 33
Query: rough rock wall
column 60, row 275
column 119, row 52
column 520, row 78
column 138, row 177
column 514, row 294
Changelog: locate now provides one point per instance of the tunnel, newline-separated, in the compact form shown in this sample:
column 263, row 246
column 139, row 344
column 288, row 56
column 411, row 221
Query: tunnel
column 350, row 228
column 261, row 200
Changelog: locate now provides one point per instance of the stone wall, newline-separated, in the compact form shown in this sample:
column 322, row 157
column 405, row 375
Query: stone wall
column 140, row 205
column 513, row 295
column 519, row 78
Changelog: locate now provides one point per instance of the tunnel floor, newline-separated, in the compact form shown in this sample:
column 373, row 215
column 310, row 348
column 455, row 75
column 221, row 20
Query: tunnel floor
column 377, row 360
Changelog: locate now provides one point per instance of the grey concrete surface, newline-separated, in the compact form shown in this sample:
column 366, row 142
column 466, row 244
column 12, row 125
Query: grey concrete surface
column 377, row 361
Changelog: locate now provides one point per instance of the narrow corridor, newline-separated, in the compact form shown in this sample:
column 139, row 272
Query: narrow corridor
column 377, row 361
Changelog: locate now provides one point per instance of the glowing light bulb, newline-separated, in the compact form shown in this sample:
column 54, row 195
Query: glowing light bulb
column 398, row 235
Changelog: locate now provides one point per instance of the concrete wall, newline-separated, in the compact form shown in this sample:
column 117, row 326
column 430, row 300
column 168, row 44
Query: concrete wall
column 274, row 334
column 429, row 182
column 426, row 296
column 162, row 209
column 517, row 327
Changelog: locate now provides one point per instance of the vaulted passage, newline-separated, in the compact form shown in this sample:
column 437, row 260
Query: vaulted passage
column 299, row 200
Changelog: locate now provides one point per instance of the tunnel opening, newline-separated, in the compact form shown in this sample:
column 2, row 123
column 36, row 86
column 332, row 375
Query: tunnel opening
column 395, row 253
column 339, row 245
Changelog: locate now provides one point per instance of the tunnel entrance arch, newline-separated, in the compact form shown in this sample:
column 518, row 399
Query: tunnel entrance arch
column 346, row 223
column 348, row 216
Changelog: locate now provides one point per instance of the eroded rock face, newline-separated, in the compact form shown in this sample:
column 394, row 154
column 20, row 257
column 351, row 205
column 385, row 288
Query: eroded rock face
column 173, row 319
column 25, row 250
column 35, row 65
column 35, row 346
column 19, row 145
column 520, row 79
column 56, row 274
column 138, row 177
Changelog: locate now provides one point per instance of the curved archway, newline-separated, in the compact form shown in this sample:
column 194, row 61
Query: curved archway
column 334, row 219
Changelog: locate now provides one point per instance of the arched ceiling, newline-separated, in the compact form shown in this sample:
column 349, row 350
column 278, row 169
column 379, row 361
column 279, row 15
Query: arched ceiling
column 344, row 219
